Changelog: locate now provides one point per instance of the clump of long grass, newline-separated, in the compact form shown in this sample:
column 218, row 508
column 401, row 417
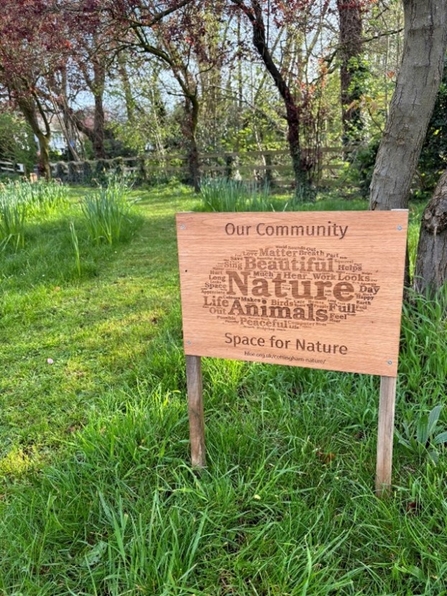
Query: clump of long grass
column 12, row 224
column 12, row 220
column 41, row 197
column 222, row 195
column 21, row 200
column 107, row 211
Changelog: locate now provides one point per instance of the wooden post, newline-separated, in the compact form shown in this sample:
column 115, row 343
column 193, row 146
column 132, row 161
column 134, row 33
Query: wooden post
column 385, row 435
column 195, row 411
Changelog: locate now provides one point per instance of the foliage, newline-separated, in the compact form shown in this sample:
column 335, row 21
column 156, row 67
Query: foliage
column 189, row 78
column 16, row 141
column 32, row 53
column 361, row 165
column 422, row 437
column 423, row 343
column 433, row 158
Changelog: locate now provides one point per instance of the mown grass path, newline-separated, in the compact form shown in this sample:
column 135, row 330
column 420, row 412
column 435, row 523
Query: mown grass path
column 64, row 340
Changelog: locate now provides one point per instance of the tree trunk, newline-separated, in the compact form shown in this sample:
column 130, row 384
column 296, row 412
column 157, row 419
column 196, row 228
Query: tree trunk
column 99, row 117
column 29, row 107
column 352, row 71
column 302, row 185
column 189, row 130
column 127, row 88
column 431, row 262
column 412, row 104
column 98, row 129
column 44, row 155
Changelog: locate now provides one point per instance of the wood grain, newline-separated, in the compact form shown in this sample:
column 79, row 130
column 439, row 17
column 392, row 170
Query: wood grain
column 195, row 411
column 312, row 289
column 385, row 435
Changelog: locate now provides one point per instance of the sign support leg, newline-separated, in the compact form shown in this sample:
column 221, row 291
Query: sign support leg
column 195, row 411
column 385, row 435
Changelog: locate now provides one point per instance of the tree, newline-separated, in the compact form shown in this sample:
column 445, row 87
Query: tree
column 425, row 40
column 254, row 12
column 171, row 33
column 352, row 68
column 92, row 61
column 16, row 139
column 425, row 43
column 33, row 45
column 433, row 158
column 431, row 262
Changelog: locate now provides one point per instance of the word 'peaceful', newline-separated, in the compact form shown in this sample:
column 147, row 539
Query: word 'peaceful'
column 262, row 229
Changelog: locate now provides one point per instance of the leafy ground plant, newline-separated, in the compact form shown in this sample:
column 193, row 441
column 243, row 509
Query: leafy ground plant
column 424, row 437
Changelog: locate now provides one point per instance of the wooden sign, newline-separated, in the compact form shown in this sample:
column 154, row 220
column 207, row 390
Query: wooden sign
column 319, row 290
column 311, row 289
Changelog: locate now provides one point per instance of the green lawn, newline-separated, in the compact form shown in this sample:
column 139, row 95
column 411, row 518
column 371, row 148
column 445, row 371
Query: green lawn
column 97, row 496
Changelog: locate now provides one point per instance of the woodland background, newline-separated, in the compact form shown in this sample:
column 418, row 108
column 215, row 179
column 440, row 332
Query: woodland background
column 84, row 79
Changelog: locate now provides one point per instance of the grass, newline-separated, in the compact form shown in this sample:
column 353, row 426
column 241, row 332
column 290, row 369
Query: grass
column 218, row 194
column 107, row 210
column 97, row 495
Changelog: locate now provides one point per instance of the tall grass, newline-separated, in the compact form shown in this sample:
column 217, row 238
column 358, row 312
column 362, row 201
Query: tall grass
column 219, row 194
column 222, row 195
column 20, row 201
column 43, row 197
column 12, row 222
column 107, row 212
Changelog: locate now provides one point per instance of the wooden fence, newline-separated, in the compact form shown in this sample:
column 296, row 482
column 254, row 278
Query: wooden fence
column 8, row 167
column 274, row 167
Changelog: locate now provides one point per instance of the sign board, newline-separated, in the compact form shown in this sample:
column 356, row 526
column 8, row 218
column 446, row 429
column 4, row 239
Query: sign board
column 311, row 289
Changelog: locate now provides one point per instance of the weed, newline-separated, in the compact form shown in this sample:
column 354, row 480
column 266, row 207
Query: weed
column 423, row 437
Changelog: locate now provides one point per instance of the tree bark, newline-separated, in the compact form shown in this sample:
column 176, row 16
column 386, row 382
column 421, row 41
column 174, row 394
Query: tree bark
column 192, row 108
column 425, row 39
column 99, row 71
column 29, row 107
column 98, row 129
column 351, row 69
column 431, row 261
